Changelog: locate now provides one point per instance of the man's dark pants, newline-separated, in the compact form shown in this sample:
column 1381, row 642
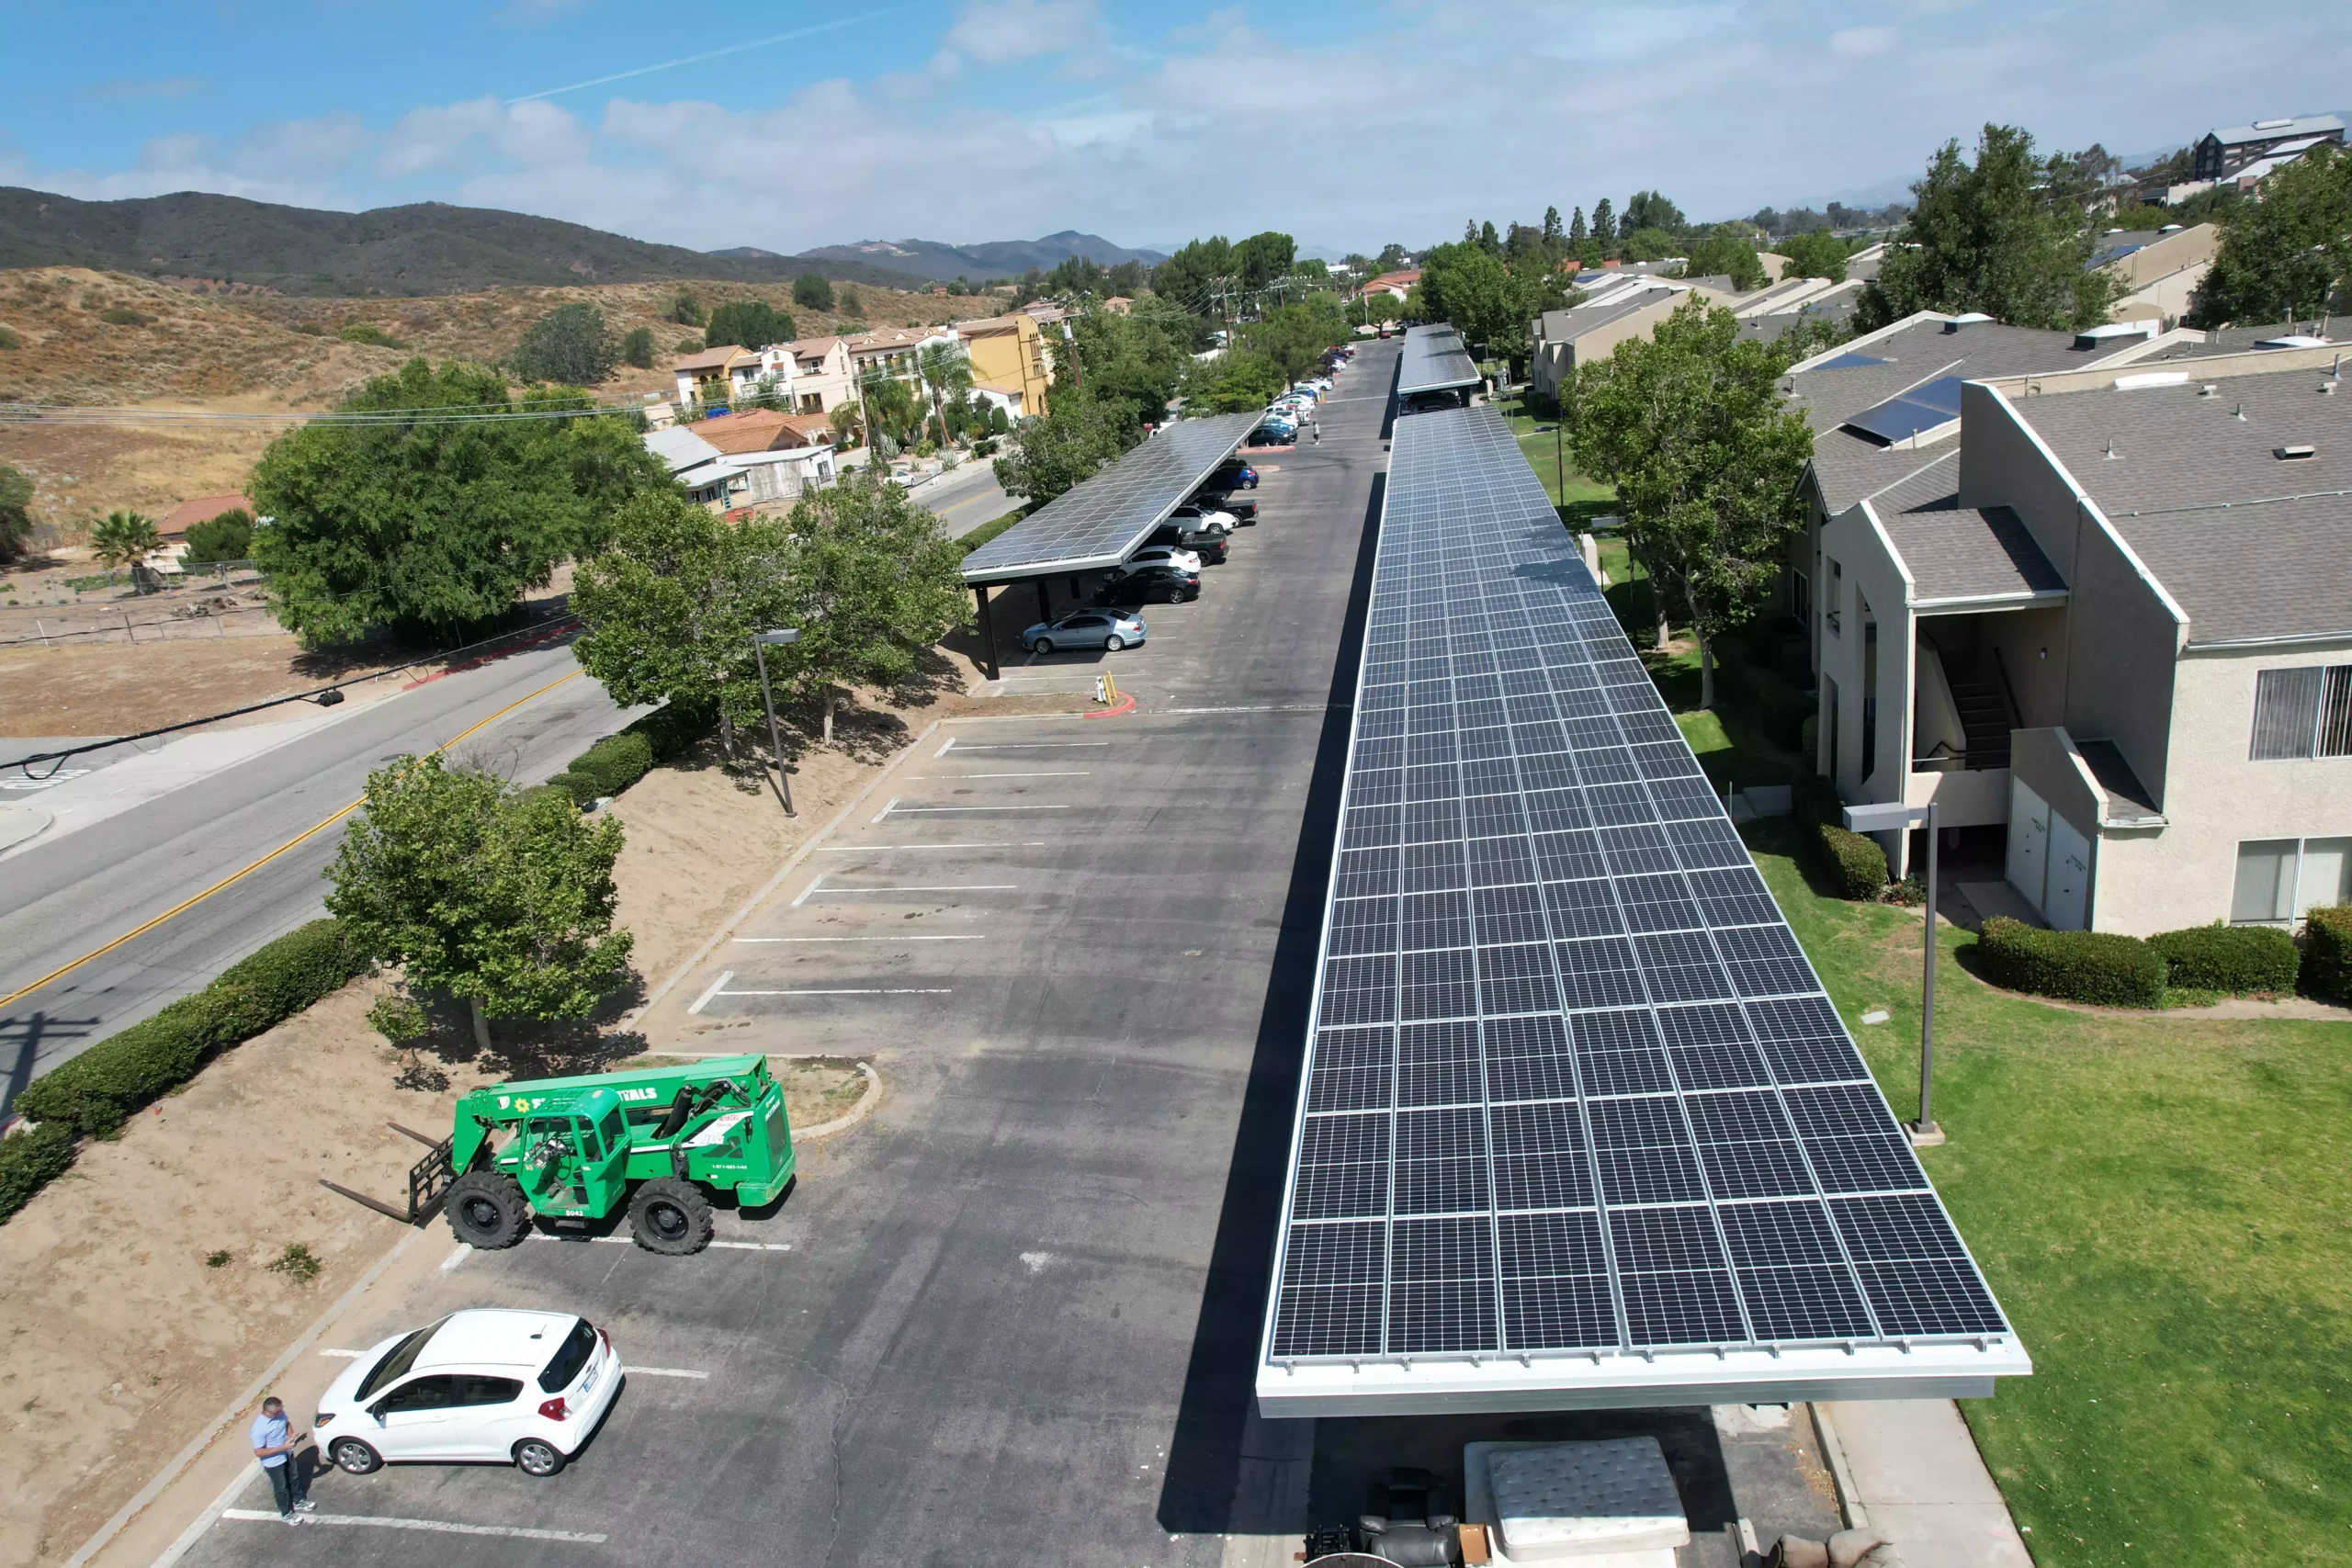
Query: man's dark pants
column 286, row 1484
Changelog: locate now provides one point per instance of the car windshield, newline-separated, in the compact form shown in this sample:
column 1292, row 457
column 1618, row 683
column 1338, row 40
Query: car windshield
column 396, row 1361
column 570, row 1356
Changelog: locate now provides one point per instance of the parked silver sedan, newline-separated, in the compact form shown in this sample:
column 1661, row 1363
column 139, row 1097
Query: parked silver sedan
column 1108, row 629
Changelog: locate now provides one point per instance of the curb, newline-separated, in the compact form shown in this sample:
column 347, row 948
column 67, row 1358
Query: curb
column 1126, row 704
column 855, row 1113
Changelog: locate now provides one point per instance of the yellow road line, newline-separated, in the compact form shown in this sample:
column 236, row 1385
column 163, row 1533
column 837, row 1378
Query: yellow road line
column 246, row 870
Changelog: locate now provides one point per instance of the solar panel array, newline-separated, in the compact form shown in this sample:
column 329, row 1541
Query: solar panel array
column 1435, row 361
column 1100, row 523
column 1572, row 1086
column 1906, row 415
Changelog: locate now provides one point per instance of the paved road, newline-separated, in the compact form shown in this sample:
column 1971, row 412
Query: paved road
column 969, row 498
column 62, row 898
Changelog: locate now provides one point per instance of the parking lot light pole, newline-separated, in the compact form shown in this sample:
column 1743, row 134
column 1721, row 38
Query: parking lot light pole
column 760, row 642
column 1895, row 817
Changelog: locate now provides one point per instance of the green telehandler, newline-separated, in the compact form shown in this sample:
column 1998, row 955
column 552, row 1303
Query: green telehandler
column 577, row 1149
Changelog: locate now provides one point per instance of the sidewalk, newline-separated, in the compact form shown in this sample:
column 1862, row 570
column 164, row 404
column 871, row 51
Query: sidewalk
column 1918, row 1480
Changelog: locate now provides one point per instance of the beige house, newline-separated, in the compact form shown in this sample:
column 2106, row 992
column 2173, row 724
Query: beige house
column 2102, row 615
column 1620, row 305
column 2159, row 271
column 1010, row 368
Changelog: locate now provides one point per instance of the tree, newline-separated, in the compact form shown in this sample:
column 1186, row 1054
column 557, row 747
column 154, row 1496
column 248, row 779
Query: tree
column 1392, row 256
column 1076, row 278
column 122, row 538
column 1294, row 336
column 1692, row 428
column 671, row 604
column 568, row 344
column 1129, row 278
column 1195, row 276
column 872, row 584
column 751, row 324
column 1817, row 255
column 1604, row 223
column 2289, row 255
column 227, row 536
column 501, row 897
column 434, row 527
column 686, row 309
column 1261, row 258
column 15, row 513
column 1130, row 364
column 638, row 347
column 811, row 291
column 1234, row 382
column 1578, row 233
column 1731, row 256
column 947, row 371
column 1554, row 237
column 1489, row 240
column 2007, row 236
column 1650, row 209
column 1491, row 302
column 1648, row 245
column 1061, row 448
column 847, row 299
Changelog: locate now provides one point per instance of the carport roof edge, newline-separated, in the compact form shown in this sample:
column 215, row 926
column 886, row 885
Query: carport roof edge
column 1100, row 523
column 1435, row 361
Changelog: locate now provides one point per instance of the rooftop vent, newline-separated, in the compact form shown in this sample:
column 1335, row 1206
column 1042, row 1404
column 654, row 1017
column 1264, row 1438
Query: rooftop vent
column 2209, row 390
column 1967, row 319
column 2169, row 229
column 2291, row 454
column 2272, row 124
column 2152, row 379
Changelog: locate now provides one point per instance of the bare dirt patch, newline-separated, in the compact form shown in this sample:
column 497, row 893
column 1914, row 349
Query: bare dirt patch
column 121, row 689
column 119, row 1339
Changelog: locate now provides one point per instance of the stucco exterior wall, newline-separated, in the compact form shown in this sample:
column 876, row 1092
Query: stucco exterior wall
column 1868, row 574
column 2216, row 798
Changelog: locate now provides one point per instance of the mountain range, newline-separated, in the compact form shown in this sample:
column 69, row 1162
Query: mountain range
column 434, row 248
column 995, row 258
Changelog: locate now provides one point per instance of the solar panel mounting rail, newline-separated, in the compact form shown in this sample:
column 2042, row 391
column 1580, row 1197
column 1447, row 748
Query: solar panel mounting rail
column 1578, row 1126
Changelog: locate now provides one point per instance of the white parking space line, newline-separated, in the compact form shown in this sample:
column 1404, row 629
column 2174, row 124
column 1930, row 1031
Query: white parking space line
column 805, row 891
column 703, row 1000
column 869, row 991
column 943, row 887
column 798, row 938
column 666, row 1372
column 893, row 848
column 895, row 809
column 627, row 1241
column 1025, row 773
column 438, row 1527
column 458, row 1255
column 344, row 1355
column 955, row 743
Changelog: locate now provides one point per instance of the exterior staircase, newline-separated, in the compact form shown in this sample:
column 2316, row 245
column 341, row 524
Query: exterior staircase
column 1984, row 715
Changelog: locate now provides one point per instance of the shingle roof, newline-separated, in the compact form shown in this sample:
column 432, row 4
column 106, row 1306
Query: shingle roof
column 2309, row 125
column 1848, row 466
column 711, row 358
column 2250, row 545
column 1566, row 326
column 1957, row 553
column 754, row 431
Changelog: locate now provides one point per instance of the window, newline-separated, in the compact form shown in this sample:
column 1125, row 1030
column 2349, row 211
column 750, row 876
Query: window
column 424, row 1393
column 1799, row 595
column 2279, row 880
column 2303, row 712
column 1833, row 596
column 568, row 1359
column 395, row 1365
column 477, row 1389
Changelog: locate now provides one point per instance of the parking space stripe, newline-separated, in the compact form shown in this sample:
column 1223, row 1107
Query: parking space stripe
column 943, row 888
column 703, row 1000
column 627, row 1241
column 882, row 849
column 665, row 1371
column 805, row 891
column 342, row 1355
column 790, row 938
column 438, row 1527
column 895, row 809
column 868, row 991
column 1028, row 774
column 1018, row 745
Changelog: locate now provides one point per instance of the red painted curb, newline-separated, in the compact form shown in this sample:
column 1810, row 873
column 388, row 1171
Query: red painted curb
column 1126, row 704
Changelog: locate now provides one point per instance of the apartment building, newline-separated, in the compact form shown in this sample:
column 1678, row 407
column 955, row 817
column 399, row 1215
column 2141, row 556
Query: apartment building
column 2100, row 612
column 1010, row 366
column 2159, row 271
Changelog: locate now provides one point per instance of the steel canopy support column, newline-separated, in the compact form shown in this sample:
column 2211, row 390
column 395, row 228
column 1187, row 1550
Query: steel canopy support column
column 987, row 631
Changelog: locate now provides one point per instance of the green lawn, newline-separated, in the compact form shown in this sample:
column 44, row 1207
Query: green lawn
column 1578, row 496
column 2162, row 1205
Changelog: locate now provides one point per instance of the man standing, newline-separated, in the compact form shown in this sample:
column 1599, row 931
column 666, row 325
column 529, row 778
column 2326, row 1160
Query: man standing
column 275, row 1448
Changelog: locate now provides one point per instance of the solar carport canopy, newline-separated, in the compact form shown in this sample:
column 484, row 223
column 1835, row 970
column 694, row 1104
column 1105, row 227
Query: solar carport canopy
column 1435, row 361
column 1100, row 523
column 1578, row 1127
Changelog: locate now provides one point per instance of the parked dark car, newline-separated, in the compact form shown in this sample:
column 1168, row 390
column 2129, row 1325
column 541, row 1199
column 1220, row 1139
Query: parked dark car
column 1232, row 475
column 1156, row 584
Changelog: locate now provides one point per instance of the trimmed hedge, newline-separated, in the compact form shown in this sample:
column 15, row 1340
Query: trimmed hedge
column 2237, row 959
column 94, row 1091
column 1855, row 864
column 29, row 1162
column 2328, row 952
column 618, row 760
column 2078, row 967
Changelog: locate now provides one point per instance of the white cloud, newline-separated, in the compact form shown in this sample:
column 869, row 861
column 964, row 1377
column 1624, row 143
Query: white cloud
column 998, row 32
column 1860, row 43
column 451, row 136
column 302, row 162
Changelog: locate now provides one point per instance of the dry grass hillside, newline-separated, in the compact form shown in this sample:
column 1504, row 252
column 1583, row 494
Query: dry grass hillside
column 189, row 345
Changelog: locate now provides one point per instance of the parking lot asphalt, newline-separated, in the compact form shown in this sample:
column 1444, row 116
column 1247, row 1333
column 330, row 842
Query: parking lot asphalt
column 1017, row 1316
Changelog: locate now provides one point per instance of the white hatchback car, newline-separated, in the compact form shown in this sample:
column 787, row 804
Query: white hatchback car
column 1158, row 555
column 521, row 1388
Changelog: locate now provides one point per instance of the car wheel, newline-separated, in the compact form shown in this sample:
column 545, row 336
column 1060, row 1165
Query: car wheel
column 1044, row 645
column 671, row 1217
column 535, row 1456
column 1115, row 642
column 1174, row 596
column 355, row 1458
column 487, row 1209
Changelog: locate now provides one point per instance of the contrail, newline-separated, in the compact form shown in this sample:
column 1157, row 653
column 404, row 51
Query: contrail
column 716, row 53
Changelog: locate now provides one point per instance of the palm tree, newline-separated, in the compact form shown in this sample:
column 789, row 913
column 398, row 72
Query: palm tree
column 123, row 537
column 946, row 370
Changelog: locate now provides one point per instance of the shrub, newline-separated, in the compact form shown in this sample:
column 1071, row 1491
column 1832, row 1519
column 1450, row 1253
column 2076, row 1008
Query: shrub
column 1814, row 800
column 1856, row 864
column 31, row 1161
column 94, row 1091
column 638, row 347
column 608, row 767
column 370, row 335
column 2080, row 967
column 8, row 338
column 124, row 316
column 2237, row 959
column 229, row 537
column 297, row 1263
column 2328, row 952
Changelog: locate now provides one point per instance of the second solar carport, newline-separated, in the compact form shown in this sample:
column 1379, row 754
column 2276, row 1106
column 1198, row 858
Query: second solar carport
column 1098, row 525
column 1435, row 361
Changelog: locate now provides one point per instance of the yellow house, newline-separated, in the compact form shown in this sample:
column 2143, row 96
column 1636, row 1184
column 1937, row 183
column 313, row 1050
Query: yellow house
column 1009, row 362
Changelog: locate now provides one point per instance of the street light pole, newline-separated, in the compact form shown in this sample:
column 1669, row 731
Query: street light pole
column 767, row 700
column 1895, row 817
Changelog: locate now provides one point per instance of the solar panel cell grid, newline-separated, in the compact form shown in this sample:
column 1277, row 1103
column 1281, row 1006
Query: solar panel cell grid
column 1569, row 1064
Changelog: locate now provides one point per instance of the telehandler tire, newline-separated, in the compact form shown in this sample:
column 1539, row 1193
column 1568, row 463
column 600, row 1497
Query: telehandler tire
column 487, row 1209
column 671, row 1217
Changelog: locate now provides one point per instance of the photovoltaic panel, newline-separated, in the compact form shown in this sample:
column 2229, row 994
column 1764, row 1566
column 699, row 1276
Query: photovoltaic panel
column 1908, row 413
column 1099, row 523
column 1435, row 361
column 1578, row 1116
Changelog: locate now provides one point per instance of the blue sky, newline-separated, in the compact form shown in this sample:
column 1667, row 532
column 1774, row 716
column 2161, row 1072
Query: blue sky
column 1347, row 125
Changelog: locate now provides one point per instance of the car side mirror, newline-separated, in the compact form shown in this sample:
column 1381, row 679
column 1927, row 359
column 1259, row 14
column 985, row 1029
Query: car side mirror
column 378, row 1412
column 1372, row 1523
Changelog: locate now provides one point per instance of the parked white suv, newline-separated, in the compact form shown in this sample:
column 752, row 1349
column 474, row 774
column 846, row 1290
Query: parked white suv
column 521, row 1388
